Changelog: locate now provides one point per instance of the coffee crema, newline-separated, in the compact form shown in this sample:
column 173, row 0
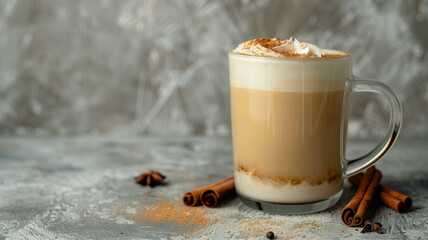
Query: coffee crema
column 274, row 47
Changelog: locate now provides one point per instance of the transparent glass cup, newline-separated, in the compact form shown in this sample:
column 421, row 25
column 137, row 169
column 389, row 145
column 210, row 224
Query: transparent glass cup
column 289, row 127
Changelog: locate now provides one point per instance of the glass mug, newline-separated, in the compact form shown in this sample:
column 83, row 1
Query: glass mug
column 289, row 127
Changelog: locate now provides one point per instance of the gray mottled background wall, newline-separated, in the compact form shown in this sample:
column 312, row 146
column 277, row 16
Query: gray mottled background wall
column 73, row 67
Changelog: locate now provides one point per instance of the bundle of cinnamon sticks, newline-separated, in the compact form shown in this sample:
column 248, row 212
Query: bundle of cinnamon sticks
column 369, row 187
column 210, row 195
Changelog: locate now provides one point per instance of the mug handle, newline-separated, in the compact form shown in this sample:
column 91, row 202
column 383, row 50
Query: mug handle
column 357, row 165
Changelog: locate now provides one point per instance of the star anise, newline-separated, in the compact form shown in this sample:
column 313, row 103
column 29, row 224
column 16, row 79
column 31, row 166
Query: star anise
column 372, row 227
column 150, row 179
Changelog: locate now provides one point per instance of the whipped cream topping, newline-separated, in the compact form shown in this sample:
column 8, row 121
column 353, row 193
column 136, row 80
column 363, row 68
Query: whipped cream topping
column 274, row 47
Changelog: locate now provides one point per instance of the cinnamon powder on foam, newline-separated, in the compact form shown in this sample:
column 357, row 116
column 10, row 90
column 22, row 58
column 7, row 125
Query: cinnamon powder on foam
column 263, row 47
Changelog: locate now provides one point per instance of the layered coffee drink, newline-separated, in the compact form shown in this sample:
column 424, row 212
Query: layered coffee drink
column 288, row 120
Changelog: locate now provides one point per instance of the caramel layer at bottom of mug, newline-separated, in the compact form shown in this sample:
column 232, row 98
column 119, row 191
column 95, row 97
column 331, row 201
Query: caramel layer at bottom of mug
column 257, row 189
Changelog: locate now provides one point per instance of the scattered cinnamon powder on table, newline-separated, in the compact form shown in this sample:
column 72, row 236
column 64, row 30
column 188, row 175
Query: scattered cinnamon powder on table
column 249, row 227
column 173, row 214
column 253, row 227
column 200, row 222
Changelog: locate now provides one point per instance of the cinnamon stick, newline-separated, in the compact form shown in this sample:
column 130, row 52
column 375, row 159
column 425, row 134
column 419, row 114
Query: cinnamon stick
column 354, row 212
column 210, row 197
column 220, row 189
column 391, row 198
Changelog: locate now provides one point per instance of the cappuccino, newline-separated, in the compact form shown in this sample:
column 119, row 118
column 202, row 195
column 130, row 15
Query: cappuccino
column 288, row 120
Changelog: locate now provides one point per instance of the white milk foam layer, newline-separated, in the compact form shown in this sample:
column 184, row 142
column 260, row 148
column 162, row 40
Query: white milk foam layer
column 252, row 187
column 290, row 74
column 298, row 47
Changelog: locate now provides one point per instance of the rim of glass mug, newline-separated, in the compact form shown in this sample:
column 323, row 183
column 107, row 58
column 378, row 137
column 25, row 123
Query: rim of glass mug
column 346, row 56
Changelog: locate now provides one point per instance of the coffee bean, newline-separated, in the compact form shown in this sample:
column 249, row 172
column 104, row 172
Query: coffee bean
column 270, row 235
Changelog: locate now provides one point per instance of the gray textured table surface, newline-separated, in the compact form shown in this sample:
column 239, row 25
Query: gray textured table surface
column 83, row 188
